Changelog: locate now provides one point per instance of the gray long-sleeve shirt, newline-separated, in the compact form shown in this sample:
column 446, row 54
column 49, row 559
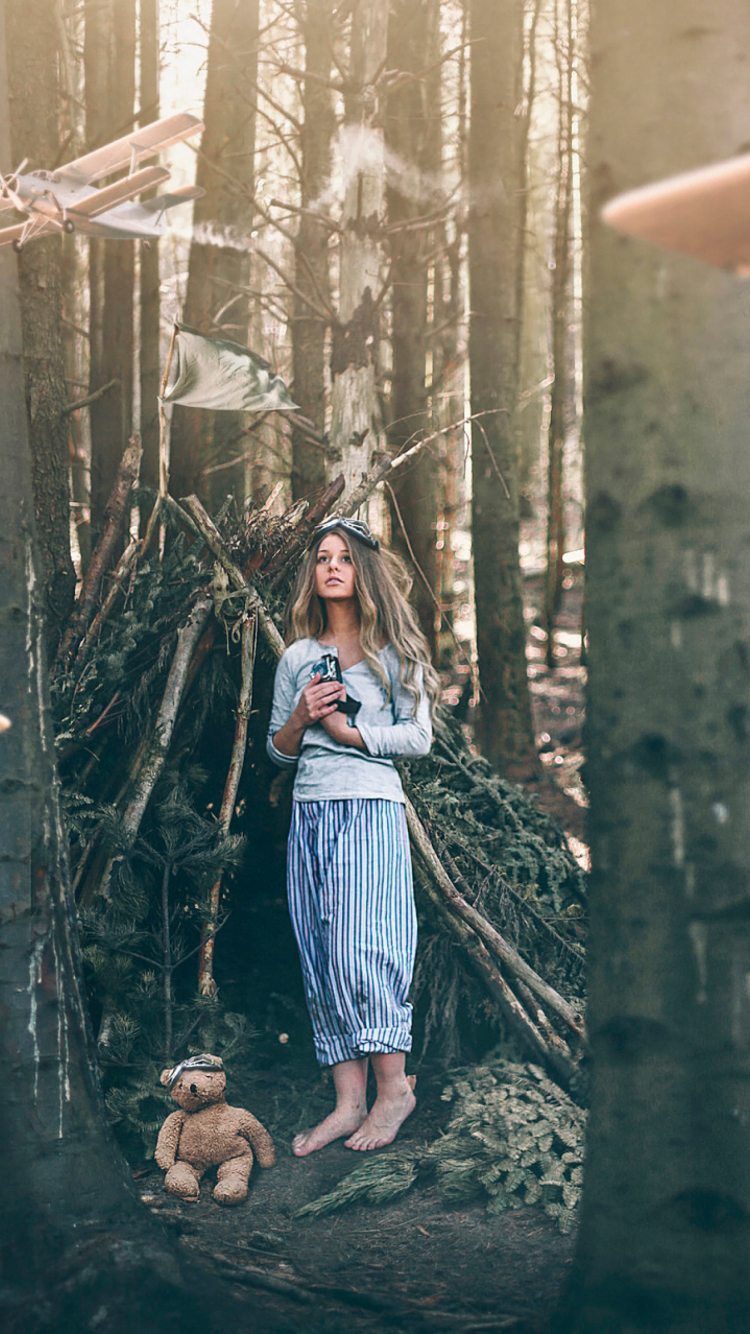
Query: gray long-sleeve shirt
column 327, row 770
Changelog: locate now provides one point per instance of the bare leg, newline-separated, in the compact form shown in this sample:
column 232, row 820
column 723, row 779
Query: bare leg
column 350, row 1080
column 395, row 1101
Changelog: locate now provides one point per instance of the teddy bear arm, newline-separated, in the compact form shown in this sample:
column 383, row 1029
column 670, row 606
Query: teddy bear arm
column 260, row 1140
column 169, row 1139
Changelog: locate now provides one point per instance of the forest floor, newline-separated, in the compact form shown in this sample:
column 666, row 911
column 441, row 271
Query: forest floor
column 415, row 1263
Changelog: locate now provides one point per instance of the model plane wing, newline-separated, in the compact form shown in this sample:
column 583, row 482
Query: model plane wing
column 119, row 192
column 703, row 213
column 143, row 142
column 10, row 234
column 181, row 195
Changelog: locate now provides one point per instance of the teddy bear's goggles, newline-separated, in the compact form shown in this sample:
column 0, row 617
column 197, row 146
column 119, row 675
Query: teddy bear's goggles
column 194, row 1063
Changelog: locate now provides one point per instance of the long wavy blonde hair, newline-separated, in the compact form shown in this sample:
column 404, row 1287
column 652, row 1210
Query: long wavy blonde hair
column 381, row 585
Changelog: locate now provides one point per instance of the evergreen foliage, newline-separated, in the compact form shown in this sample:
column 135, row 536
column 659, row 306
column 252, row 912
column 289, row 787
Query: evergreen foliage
column 142, row 891
column 510, row 860
column 513, row 1137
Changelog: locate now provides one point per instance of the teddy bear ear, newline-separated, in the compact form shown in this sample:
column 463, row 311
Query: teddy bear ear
column 165, row 1076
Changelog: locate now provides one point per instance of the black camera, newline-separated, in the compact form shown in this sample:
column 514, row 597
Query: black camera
column 329, row 670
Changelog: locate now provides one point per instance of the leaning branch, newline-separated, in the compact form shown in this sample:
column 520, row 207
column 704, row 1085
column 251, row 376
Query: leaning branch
column 560, row 1061
column 206, row 983
column 114, row 523
column 155, row 754
column 489, row 934
column 212, row 538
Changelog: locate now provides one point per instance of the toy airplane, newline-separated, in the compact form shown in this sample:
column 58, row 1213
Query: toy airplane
column 66, row 200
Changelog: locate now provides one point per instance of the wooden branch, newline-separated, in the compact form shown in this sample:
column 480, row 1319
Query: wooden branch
column 187, row 641
column 163, row 444
column 279, row 564
column 383, row 466
column 538, row 1017
column 495, row 983
column 114, row 522
column 89, row 399
column 212, row 538
column 154, row 758
column 491, row 937
column 124, row 566
column 206, row 984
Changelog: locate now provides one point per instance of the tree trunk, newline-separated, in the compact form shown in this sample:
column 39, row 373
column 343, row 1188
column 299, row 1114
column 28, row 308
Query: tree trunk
column 311, row 262
column 413, row 137
column 665, row 1232
column 356, row 428
column 76, row 1246
column 220, row 249
column 560, row 342
column 114, row 269
column 32, row 31
column 149, row 368
column 505, row 728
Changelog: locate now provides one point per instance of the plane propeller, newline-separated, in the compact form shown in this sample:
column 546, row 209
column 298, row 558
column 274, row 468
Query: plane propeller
column 9, row 185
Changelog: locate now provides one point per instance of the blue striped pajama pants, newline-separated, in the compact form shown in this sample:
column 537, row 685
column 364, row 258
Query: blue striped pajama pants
column 351, row 901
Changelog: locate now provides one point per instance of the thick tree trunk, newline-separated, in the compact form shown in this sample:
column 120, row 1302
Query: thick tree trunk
column 356, row 428
column 311, row 263
column 76, row 1245
column 113, row 266
column 665, row 1234
column 505, row 728
column 413, row 137
column 149, row 368
column 220, row 250
column 33, row 34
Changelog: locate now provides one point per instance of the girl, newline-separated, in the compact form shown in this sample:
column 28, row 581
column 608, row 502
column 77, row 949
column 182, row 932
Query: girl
column 349, row 868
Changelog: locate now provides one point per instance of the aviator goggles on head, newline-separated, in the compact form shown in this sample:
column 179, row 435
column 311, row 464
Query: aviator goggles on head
column 203, row 1062
column 354, row 527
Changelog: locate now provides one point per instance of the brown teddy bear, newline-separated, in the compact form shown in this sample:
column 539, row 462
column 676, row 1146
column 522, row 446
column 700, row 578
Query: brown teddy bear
column 207, row 1133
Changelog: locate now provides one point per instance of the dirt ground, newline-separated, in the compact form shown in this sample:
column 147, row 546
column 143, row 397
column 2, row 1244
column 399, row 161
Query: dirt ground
column 414, row 1263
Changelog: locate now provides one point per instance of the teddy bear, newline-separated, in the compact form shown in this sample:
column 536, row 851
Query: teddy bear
column 207, row 1133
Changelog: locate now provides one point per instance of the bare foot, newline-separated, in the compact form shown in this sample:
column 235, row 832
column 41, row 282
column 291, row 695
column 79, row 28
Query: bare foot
column 387, row 1115
column 342, row 1121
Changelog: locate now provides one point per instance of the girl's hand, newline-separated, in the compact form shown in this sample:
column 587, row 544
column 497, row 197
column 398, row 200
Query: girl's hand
column 318, row 701
column 337, row 727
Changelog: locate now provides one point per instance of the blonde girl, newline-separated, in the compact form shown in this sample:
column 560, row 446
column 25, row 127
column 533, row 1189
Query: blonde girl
column 354, row 690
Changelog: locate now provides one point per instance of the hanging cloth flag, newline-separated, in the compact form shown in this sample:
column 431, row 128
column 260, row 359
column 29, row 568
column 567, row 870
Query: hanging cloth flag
column 215, row 373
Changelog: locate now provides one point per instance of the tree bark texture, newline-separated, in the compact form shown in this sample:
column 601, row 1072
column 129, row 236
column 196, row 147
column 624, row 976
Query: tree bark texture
column 76, row 1245
column 505, row 726
column 311, row 274
column 665, row 1233
column 220, row 249
column 149, row 367
column 356, row 428
column 560, row 302
column 413, row 138
column 34, row 93
column 61, row 1168
column 113, row 262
